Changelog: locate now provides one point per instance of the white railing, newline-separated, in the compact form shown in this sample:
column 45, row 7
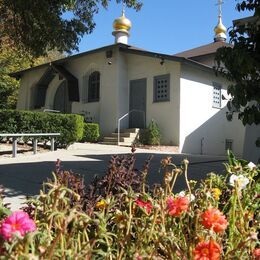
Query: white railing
column 124, row 116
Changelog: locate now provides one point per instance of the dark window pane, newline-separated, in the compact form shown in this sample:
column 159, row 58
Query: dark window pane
column 93, row 86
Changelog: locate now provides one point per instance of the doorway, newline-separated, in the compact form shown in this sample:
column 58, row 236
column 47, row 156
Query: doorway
column 61, row 99
column 137, row 104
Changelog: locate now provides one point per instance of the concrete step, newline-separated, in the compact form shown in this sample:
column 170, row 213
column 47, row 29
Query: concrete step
column 133, row 135
column 127, row 137
column 110, row 139
column 130, row 130
column 122, row 139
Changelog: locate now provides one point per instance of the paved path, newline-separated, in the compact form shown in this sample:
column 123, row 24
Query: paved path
column 24, row 175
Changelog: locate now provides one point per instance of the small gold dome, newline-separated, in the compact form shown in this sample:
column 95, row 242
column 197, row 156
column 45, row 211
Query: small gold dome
column 220, row 28
column 122, row 23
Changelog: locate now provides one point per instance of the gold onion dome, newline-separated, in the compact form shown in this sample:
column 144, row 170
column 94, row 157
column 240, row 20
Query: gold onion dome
column 220, row 28
column 122, row 23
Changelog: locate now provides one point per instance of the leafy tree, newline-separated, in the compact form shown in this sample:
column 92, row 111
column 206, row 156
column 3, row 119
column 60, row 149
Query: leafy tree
column 241, row 65
column 10, row 61
column 37, row 26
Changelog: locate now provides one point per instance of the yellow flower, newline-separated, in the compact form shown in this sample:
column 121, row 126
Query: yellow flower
column 101, row 204
column 216, row 193
column 119, row 217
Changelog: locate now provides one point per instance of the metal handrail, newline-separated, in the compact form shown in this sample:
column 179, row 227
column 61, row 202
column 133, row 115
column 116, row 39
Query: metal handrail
column 122, row 117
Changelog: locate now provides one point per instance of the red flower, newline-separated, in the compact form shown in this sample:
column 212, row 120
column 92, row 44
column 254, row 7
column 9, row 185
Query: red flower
column 207, row 251
column 176, row 206
column 144, row 204
column 17, row 223
column 213, row 218
column 256, row 254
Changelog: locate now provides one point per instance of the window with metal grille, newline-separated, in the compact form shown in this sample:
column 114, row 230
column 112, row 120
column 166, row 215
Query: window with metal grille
column 216, row 95
column 94, row 86
column 229, row 144
column 162, row 88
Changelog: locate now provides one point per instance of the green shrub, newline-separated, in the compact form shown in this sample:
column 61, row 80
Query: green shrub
column 151, row 135
column 90, row 133
column 70, row 126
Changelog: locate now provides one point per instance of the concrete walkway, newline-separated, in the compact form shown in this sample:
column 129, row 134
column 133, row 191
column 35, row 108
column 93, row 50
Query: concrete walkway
column 24, row 175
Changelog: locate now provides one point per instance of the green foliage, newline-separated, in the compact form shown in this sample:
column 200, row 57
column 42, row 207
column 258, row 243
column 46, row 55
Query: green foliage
column 123, row 222
column 242, row 65
column 151, row 135
column 91, row 132
column 10, row 61
column 25, row 23
column 70, row 126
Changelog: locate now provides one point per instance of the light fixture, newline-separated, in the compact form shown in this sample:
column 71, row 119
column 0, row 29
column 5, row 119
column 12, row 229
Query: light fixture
column 162, row 61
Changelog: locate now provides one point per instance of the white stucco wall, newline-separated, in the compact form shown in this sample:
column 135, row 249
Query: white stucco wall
column 251, row 152
column 104, row 110
column 27, row 82
column 51, row 91
column 166, row 114
column 203, row 128
column 123, row 88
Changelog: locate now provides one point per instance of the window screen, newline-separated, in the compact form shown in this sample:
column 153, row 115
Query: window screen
column 162, row 88
column 216, row 102
column 229, row 144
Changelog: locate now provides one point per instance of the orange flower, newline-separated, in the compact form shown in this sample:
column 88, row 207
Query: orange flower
column 176, row 206
column 213, row 218
column 256, row 254
column 144, row 204
column 207, row 251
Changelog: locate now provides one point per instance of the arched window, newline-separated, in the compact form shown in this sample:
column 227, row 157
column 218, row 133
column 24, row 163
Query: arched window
column 94, row 86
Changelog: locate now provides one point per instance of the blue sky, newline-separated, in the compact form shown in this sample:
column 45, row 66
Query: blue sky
column 165, row 26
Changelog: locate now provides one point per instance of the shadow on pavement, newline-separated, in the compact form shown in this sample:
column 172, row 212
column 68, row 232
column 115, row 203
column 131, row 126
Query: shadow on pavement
column 27, row 178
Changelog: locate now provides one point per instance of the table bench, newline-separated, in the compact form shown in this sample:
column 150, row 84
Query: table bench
column 35, row 141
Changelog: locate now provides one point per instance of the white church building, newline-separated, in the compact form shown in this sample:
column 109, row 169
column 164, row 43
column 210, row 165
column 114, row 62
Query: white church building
column 180, row 92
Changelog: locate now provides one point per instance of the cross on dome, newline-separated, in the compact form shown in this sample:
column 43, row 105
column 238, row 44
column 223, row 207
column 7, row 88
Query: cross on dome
column 220, row 3
column 220, row 29
column 122, row 26
column 123, row 8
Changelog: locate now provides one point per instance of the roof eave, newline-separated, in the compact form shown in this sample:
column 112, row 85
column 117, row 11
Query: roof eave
column 123, row 48
column 20, row 73
column 167, row 57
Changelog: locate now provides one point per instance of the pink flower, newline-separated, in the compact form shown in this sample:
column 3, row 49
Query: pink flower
column 213, row 218
column 144, row 204
column 176, row 206
column 19, row 223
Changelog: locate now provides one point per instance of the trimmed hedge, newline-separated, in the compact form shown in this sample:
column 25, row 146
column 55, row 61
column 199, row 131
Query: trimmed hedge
column 91, row 132
column 69, row 125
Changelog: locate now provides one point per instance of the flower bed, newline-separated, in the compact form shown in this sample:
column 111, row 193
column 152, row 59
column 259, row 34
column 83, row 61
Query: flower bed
column 120, row 217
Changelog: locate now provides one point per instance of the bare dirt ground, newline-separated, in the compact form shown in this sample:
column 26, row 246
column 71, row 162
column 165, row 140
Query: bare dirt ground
column 22, row 149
